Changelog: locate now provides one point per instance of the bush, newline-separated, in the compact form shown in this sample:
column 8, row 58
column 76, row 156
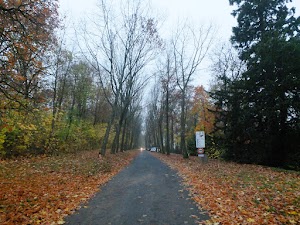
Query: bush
column 23, row 133
column 213, row 150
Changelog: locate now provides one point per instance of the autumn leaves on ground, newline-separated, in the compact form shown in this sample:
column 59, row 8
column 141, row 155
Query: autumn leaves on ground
column 43, row 190
column 240, row 194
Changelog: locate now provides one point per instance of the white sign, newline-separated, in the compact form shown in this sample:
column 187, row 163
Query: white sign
column 200, row 139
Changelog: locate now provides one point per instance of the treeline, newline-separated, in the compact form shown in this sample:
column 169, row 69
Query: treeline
column 163, row 120
column 254, row 99
column 257, row 99
column 53, row 99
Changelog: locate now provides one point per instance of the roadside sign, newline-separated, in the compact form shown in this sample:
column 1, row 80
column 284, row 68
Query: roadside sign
column 200, row 150
column 200, row 139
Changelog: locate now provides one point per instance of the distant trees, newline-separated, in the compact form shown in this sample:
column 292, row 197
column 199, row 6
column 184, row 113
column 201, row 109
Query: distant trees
column 49, row 96
column 153, row 120
column 127, row 40
column 53, row 98
column 66, row 100
column 260, row 104
column 168, row 85
column 178, row 63
column 163, row 127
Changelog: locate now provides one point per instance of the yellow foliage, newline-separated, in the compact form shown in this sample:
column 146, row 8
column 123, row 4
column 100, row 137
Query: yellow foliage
column 23, row 132
column 2, row 140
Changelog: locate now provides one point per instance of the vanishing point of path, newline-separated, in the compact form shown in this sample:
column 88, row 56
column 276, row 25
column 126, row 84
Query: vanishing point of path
column 147, row 192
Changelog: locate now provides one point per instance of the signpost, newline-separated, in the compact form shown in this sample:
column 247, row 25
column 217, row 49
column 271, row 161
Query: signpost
column 200, row 139
column 200, row 151
column 200, row 144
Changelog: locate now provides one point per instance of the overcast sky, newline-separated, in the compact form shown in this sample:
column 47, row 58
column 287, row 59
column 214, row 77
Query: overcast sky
column 216, row 12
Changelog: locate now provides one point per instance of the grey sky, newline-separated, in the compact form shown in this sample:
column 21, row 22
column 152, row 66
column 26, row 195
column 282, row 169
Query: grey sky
column 215, row 12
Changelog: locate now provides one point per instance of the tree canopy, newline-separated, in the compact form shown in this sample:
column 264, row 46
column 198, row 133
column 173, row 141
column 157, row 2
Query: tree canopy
column 263, row 103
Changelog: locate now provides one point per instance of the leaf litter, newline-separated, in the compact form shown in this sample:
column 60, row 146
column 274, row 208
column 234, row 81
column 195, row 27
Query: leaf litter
column 235, row 193
column 43, row 190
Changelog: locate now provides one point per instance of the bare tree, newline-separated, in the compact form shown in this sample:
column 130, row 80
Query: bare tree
column 125, row 45
column 166, row 73
column 227, row 68
column 190, row 46
column 59, row 69
column 153, row 117
column 226, row 65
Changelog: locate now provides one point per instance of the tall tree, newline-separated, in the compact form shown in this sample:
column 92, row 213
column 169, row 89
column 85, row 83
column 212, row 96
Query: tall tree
column 26, row 33
column 190, row 47
column 202, row 110
column 153, row 117
column 268, row 37
column 167, row 77
column 128, row 38
column 62, row 61
column 227, row 69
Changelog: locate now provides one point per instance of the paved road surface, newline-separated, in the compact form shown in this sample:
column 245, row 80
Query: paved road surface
column 146, row 192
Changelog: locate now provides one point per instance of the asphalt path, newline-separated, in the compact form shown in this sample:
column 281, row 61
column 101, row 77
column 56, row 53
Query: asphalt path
column 146, row 192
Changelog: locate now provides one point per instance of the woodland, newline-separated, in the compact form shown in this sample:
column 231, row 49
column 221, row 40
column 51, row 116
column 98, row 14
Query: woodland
column 86, row 104
column 55, row 99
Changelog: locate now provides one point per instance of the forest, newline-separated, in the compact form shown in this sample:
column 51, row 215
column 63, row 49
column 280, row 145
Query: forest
column 126, row 87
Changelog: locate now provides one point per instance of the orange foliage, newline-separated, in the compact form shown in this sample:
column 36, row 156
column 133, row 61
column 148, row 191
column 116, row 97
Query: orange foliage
column 43, row 190
column 240, row 194
column 201, row 106
column 27, row 31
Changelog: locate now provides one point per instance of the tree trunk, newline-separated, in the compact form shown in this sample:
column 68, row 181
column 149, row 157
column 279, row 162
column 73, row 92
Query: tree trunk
column 122, row 147
column 107, row 132
column 172, row 132
column 161, row 138
column 182, row 126
column 167, row 123
column 114, row 147
column 127, row 138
